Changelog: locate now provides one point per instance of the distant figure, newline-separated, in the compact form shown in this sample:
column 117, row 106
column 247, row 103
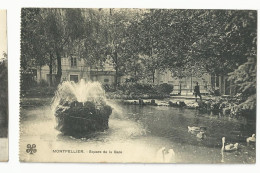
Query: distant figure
column 197, row 91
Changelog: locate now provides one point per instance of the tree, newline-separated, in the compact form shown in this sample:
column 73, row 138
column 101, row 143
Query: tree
column 45, row 33
column 231, row 35
column 95, row 41
column 244, row 78
column 140, row 41
column 32, row 49
column 149, row 45
column 106, row 38
column 215, row 40
column 66, row 28
column 117, row 26
column 166, row 38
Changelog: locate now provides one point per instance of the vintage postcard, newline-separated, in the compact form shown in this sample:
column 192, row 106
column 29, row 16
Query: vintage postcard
column 3, row 88
column 138, row 85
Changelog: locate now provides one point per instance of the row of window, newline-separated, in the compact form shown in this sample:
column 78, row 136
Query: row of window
column 74, row 78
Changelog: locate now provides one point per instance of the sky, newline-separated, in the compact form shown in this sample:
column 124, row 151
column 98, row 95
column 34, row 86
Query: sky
column 3, row 40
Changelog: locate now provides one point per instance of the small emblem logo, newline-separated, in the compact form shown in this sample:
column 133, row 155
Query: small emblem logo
column 31, row 149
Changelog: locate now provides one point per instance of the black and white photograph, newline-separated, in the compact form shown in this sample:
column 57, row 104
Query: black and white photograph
column 3, row 89
column 137, row 85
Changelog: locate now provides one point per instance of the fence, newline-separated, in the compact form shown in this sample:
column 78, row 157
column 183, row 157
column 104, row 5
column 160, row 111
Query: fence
column 187, row 90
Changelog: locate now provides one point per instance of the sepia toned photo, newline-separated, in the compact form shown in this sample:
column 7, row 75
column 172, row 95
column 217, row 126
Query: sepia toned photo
column 3, row 89
column 138, row 85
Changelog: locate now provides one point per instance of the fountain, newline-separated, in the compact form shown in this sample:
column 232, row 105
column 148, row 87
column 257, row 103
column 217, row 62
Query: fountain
column 81, row 108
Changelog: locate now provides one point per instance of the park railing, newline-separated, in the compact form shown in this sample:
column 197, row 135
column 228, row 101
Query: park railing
column 184, row 90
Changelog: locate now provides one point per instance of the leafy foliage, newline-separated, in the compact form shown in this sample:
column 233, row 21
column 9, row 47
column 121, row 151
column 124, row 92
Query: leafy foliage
column 140, row 41
column 133, row 88
column 165, row 88
column 244, row 77
column 45, row 33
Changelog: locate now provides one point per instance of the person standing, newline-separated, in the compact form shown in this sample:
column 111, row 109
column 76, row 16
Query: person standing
column 197, row 91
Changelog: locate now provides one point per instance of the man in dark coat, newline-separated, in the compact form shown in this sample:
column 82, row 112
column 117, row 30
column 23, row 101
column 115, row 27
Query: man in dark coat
column 197, row 91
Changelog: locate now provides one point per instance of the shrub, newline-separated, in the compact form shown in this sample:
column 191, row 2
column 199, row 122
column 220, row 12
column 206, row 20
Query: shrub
column 134, row 90
column 137, row 88
column 244, row 77
column 165, row 88
column 108, row 88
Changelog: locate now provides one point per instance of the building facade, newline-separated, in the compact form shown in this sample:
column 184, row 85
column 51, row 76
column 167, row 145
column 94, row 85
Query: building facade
column 75, row 69
column 185, row 85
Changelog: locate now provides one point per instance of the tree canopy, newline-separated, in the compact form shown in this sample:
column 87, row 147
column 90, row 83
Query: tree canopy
column 140, row 41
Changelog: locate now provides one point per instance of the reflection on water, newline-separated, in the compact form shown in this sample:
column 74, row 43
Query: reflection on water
column 148, row 129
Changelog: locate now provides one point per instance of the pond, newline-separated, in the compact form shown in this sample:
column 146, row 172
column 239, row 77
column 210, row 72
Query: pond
column 141, row 131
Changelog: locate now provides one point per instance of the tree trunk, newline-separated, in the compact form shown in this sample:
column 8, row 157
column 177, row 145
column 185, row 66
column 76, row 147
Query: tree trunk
column 59, row 71
column 180, row 88
column 153, row 75
column 40, row 74
column 50, row 69
column 151, row 55
column 116, row 68
column 191, row 83
column 135, row 69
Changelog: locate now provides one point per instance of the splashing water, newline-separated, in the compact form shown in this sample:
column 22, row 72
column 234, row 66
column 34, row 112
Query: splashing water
column 83, row 91
column 69, row 92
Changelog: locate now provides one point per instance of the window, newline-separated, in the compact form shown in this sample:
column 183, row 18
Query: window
column 106, row 80
column 73, row 62
column 74, row 78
